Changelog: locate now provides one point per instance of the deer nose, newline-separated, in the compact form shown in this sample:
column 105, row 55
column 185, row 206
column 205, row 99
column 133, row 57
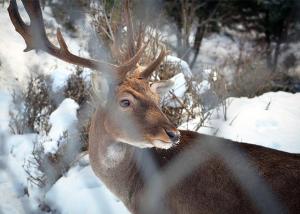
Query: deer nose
column 173, row 135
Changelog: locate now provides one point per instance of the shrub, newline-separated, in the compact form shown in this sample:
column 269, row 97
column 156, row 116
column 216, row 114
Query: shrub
column 31, row 108
column 77, row 88
column 80, row 90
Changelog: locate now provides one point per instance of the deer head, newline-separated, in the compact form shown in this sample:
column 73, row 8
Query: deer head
column 130, row 102
column 133, row 114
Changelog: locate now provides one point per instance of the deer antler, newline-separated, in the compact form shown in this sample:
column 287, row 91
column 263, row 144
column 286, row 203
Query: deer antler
column 131, row 45
column 35, row 38
column 130, row 32
column 150, row 68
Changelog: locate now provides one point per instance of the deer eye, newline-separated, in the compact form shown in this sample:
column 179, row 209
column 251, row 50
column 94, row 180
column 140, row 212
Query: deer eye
column 125, row 103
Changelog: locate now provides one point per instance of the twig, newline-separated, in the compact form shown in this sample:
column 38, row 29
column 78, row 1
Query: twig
column 208, row 114
column 215, row 133
column 268, row 106
column 180, row 102
column 231, row 122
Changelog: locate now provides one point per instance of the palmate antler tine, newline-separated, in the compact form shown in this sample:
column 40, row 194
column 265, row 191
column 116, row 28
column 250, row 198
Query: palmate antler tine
column 146, row 73
column 35, row 36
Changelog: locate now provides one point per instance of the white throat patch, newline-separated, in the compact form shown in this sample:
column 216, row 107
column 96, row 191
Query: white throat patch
column 115, row 153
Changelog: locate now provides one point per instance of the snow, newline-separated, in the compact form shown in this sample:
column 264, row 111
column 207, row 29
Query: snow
column 13, row 179
column 85, row 192
column 20, row 146
column 180, row 82
column 178, row 89
column 10, row 201
column 201, row 87
column 270, row 120
column 63, row 119
column 183, row 66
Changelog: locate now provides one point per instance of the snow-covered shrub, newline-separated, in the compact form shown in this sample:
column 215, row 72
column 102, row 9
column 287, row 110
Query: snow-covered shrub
column 45, row 168
column 58, row 143
column 31, row 108
column 78, row 89
column 38, row 103
column 54, row 152
column 184, row 101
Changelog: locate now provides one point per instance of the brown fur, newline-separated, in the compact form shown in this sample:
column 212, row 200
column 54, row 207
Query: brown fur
column 145, row 107
column 214, row 186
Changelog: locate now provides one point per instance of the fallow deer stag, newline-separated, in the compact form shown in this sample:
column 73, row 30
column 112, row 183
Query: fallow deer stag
column 151, row 165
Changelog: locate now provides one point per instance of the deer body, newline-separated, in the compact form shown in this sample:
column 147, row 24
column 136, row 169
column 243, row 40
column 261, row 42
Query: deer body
column 211, row 188
column 149, row 164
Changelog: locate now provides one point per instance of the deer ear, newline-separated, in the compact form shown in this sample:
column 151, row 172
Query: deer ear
column 162, row 87
column 100, row 87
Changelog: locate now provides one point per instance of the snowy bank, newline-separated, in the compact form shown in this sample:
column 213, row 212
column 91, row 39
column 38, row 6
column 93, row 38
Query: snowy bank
column 80, row 191
column 270, row 120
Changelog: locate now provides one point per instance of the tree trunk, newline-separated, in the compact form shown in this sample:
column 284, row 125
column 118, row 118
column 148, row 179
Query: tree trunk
column 268, row 41
column 197, row 43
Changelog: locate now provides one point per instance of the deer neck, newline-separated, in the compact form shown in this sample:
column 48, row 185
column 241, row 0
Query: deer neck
column 104, row 150
column 112, row 161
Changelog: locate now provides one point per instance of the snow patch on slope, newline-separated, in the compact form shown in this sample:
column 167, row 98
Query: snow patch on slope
column 270, row 120
column 63, row 119
column 80, row 191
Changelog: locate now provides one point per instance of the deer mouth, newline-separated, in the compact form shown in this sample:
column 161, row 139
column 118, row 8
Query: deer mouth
column 162, row 144
column 165, row 144
column 167, row 139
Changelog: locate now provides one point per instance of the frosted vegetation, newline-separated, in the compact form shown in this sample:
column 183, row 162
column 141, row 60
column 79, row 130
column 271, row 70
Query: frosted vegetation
column 45, row 167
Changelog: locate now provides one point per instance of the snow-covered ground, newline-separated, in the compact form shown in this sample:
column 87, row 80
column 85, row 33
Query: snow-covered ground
column 271, row 120
column 85, row 192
